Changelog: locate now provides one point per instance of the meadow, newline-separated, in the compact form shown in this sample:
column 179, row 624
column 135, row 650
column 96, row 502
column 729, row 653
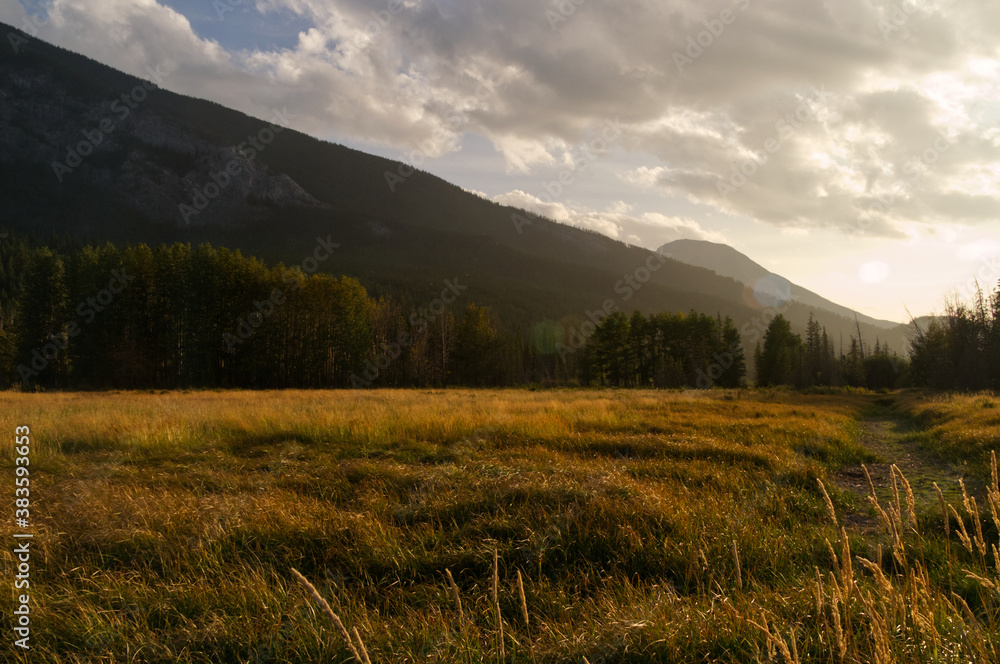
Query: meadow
column 508, row 526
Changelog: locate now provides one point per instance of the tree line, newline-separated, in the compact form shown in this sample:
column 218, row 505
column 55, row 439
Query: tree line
column 178, row 316
column 664, row 350
column 961, row 350
column 787, row 359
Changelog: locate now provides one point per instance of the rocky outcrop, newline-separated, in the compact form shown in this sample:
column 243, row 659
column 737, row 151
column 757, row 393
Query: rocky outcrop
column 153, row 166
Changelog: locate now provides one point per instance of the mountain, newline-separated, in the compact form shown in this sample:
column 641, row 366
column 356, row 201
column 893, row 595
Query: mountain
column 727, row 262
column 89, row 154
column 762, row 285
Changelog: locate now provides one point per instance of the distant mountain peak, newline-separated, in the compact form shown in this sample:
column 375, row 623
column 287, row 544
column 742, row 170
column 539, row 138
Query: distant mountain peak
column 728, row 262
column 720, row 258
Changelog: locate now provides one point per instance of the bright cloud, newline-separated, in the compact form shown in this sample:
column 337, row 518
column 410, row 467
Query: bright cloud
column 800, row 116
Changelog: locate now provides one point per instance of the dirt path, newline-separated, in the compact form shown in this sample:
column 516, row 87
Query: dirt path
column 890, row 440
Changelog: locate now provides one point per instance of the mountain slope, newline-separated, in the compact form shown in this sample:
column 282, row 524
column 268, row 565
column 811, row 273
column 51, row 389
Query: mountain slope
column 728, row 262
column 167, row 150
column 720, row 258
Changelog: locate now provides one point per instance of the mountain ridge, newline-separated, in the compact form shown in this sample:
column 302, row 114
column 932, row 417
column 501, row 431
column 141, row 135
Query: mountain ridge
column 131, row 189
column 727, row 261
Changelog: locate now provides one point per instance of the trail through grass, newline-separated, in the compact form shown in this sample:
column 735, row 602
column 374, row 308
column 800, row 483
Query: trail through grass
column 893, row 439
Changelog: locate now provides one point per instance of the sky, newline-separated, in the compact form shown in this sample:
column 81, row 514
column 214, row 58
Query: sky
column 851, row 146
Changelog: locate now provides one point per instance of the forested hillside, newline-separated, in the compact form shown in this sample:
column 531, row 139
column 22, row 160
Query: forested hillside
column 178, row 316
column 182, row 316
column 159, row 154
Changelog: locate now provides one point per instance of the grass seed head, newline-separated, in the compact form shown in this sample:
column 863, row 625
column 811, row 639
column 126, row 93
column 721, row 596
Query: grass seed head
column 457, row 597
column 361, row 645
column 944, row 509
column 829, row 503
column 524, row 601
column 739, row 571
column 334, row 618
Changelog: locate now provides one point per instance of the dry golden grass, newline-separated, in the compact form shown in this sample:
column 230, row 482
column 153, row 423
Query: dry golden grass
column 960, row 428
column 627, row 526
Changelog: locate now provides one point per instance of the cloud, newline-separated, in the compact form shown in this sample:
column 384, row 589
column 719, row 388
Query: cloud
column 523, row 153
column 476, row 192
column 979, row 250
column 677, row 228
column 404, row 73
column 525, row 201
column 644, row 177
column 616, row 221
